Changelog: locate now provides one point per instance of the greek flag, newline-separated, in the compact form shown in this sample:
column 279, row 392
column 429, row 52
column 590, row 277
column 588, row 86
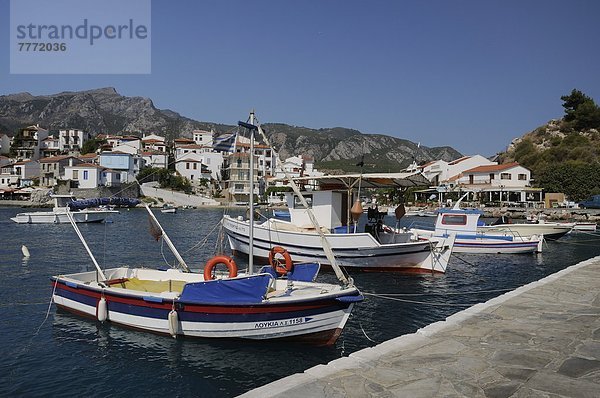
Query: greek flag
column 225, row 142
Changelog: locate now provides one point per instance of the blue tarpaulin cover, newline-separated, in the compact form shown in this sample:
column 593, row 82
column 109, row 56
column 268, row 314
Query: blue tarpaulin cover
column 250, row 290
column 95, row 202
column 306, row 272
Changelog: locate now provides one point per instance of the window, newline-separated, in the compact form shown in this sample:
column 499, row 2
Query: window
column 85, row 174
column 298, row 204
column 207, row 161
column 523, row 177
column 75, row 174
column 195, row 167
column 454, row 219
column 491, row 176
column 187, row 165
column 505, row 176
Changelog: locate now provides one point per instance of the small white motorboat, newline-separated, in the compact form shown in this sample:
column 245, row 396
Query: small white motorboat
column 463, row 224
column 58, row 215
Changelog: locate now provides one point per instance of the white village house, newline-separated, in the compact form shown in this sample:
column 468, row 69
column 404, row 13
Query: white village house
column 88, row 175
column 121, row 162
column 508, row 184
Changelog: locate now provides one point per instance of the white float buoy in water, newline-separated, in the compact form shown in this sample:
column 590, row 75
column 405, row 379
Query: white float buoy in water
column 25, row 251
column 102, row 310
column 173, row 323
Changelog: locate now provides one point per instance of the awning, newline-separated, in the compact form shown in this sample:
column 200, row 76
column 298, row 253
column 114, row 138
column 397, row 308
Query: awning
column 368, row 180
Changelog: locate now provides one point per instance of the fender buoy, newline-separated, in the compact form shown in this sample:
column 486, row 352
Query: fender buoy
column 277, row 264
column 173, row 321
column 102, row 310
column 212, row 263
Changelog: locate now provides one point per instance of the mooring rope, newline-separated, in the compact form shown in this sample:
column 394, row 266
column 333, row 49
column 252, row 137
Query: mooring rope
column 445, row 294
column 419, row 302
column 203, row 242
column 579, row 243
column 29, row 342
column 463, row 260
column 365, row 333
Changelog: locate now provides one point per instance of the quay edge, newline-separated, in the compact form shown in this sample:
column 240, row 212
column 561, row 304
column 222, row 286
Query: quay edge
column 541, row 338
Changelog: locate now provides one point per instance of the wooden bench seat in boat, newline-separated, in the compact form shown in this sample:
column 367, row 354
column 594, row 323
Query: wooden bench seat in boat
column 143, row 285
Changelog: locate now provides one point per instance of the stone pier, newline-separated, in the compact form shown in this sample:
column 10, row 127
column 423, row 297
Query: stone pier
column 540, row 340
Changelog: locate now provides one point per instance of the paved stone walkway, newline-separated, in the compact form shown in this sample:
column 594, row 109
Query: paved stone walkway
column 540, row 340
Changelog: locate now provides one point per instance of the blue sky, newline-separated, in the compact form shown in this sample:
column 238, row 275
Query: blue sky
column 471, row 74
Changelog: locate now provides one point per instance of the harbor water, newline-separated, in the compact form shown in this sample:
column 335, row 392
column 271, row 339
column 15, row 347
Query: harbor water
column 50, row 353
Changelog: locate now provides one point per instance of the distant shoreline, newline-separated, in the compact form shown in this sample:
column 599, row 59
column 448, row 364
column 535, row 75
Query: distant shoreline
column 554, row 214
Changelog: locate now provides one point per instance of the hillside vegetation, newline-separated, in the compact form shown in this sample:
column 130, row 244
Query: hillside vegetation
column 564, row 154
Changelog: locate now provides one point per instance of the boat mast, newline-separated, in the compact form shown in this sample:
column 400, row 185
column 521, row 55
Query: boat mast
column 251, row 199
column 252, row 128
column 326, row 246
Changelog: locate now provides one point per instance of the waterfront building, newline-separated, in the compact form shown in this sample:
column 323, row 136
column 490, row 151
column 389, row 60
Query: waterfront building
column 121, row 162
column 52, row 169
column 89, row 176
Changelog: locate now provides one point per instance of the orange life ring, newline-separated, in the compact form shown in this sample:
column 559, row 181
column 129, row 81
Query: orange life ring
column 276, row 264
column 212, row 263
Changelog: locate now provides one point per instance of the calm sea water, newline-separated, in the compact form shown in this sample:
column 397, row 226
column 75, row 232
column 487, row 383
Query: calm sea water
column 63, row 355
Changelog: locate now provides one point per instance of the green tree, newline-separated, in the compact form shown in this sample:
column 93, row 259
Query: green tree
column 165, row 178
column 581, row 112
column 576, row 180
column 91, row 146
column 572, row 102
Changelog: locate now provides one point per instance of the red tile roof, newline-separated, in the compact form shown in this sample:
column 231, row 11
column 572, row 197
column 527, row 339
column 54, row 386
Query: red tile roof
column 55, row 158
column 491, row 168
column 88, row 165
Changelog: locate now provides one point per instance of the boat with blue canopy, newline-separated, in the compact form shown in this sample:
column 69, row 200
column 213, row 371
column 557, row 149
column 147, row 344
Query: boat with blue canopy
column 281, row 301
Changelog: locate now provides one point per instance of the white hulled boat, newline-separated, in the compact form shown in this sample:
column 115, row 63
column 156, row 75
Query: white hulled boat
column 550, row 230
column 463, row 223
column 281, row 301
column 379, row 248
column 58, row 215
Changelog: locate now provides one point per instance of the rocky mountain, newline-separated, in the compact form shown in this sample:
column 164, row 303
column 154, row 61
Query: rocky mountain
column 105, row 111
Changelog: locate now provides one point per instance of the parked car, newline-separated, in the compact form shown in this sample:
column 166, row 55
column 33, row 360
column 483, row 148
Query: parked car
column 592, row 203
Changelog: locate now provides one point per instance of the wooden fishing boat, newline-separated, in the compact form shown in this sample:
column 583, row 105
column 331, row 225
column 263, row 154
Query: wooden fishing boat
column 281, row 301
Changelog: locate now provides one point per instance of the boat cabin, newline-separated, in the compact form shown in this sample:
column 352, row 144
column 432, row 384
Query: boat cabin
column 62, row 200
column 331, row 208
column 457, row 220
